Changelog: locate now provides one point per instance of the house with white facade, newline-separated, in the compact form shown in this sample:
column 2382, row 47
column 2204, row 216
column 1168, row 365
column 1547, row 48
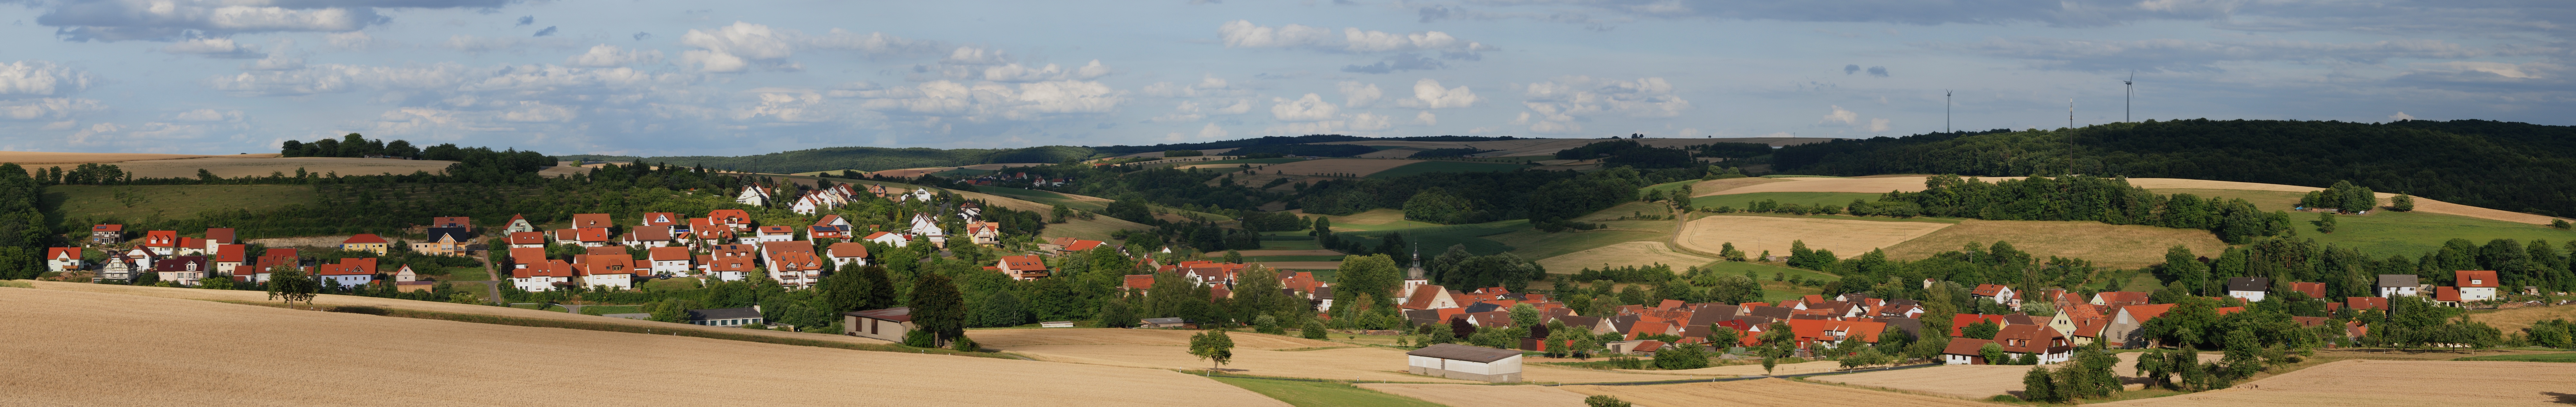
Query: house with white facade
column 519, row 223
column 890, row 239
column 542, row 275
column 2398, row 285
column 2476, row 285
column 848, row 253
column 2252, row 289
column 671, row 261
column 606, row 270
column 1465, row 363
column 753, row 195
column 63, row 259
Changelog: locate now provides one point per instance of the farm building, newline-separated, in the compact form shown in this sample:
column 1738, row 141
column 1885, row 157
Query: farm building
column 1173, row 322
column 1465, row 363
column 888, row 324
column 1964, row 351
column 726, row 316
column 2396, row 285
column 2476, row 285
column 2251, row 289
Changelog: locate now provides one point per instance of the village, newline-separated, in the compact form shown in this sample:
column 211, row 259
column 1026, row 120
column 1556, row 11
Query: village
column 1498, row 327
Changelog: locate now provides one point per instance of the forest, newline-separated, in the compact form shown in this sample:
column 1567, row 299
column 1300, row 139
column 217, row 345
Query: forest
column 2502, row 165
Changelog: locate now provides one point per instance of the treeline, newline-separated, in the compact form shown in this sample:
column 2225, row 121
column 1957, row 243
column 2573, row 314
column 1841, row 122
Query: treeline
column 1278, row 140
column 1624, row 152
column 1550, row 199
column 2106, row 200
column 1314, row 150
column 862, row 158
column 2348, row 272
column 24, row 234
column 2515, row 166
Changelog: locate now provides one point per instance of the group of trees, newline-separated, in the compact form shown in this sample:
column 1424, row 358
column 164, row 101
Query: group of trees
column 1456, row 267
column 2343, row 196
column 1630, row 153
column 2514, row 166
column 24, row 234
column 2106, row 200
column 2349, row 272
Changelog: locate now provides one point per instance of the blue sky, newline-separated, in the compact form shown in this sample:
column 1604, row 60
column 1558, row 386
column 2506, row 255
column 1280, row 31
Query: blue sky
column 728, row 78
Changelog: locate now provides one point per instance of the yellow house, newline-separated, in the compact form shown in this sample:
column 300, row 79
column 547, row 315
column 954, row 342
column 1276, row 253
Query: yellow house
column 365, row 242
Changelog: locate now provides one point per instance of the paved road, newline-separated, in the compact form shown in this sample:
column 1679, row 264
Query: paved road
column 491, row 288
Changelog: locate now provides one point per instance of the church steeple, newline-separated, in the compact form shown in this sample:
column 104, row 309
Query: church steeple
column 1415, row 273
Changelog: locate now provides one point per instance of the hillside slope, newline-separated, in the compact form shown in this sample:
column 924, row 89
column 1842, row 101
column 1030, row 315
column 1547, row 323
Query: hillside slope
column 208, row 353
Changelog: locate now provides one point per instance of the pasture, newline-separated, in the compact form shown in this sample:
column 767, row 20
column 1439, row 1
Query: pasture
column 66, row 375
column 1623, row 254
column 1432, row 166
column 1348, row 167
column 138, row 202
column 1323, row 394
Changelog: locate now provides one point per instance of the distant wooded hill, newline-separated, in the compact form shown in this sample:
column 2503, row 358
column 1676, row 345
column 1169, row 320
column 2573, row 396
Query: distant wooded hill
column 877, row 158
column 2503, row 165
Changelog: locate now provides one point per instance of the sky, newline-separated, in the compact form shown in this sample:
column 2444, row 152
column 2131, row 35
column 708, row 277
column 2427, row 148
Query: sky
column 751, row 77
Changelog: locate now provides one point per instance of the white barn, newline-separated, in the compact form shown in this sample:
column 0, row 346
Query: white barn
column 1465, row 363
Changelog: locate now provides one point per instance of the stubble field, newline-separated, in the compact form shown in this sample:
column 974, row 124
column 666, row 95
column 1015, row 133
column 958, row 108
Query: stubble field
column 206, row 353
column 1971, row 381
column 2107, row 245
column 1762, row 392
column 1482, row 396
column 2395, row 383
column 1623, row 254
column 1352, row 167
column 1754, row 234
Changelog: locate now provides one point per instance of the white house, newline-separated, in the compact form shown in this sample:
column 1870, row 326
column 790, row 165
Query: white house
column 542, row 276
column 350, row 272
column 2397, row 285
column 754, row 196
column 849, row 253
column 1998, row 293
column 607, row 270
column 889, row 238
column 727, row 316
column 670, row 260
column 2476, row 285
column 923, row 226
column 519, row 223
column 921, row 194
column 63, row 259
column 1465, row 363
column 2251, row 289
column 776, row 233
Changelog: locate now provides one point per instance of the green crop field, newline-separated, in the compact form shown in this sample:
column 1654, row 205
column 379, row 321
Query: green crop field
column 137, row 202
column 1323, row 394
column 2383, row 233
column 1244, row 161
column 1427, row 167
column 1300, row 244
column 1434, row 239
column 1809, row 199
column 963, row 173
column 1044, row 197
column 2541, row 357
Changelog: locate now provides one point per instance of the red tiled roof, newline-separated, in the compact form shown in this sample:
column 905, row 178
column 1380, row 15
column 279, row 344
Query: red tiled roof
column 592, row 220
column 1988, row 290
column 2363, row 303
column 663, row 219
column 74, row 253
column 1964, row 320
column 735, row 216
column 107, row 228
column 848, row 249
column 536, row 238
column 2029, row 338
column 2476, row 278
column 2446, row 294
column 2230, row 310
column 1139, row 281
column 230, row 253
column 363, row 238
column 2312, row 290
column 161, row 238
column 1966, row 346
column 669, row 253
column 220, row 235
column 1022, row 264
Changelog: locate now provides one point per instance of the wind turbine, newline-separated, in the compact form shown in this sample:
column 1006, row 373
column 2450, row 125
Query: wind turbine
column 1945, row 111
column 2131, row 87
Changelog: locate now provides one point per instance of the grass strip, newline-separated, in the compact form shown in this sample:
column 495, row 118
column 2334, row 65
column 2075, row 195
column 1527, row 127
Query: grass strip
column 2544, row 357
column 1319, row 393
column 593, row 326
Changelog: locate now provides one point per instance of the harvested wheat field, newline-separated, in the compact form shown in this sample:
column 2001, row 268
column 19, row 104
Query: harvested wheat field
column 1361, row 363
column 1754, row 234
column 1915, row 183
column 1970, row 381
column 1749, row 370
column 1762, row 392
column 1117, row 336
column 331, row 300
column 286, row 357
column 1623, row 254
column 2394, row 383
column 2107, row 245
column 1343, row 167
column 1482, row 396
column 32, row 158
column 257, row 167
column 2514, row 320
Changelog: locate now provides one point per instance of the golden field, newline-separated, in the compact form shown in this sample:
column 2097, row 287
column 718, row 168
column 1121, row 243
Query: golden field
column 74, row 348
column 2394, row 383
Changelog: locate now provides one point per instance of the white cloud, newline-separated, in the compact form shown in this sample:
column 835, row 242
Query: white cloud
column 1427, row 94
column 46, row 108
column 274, row 62
column 214, row 48
column 207, row 115
column 40, row 78
column 870, row 43
column 1245, row 34
column 1212, row 131
column 476, row 45
column 351, row 41
column 1877, row 125
column 2401, row 116
column 734, row 47
column 1359, row 95
column 1426, row 118
column 1308, row 108
column 1021, row 73
column 1206, row 86
column 171, row 20
column 993, row 101
column 1846, row 117
column 1371, row 122
column 604, row 55
column 1555, row 105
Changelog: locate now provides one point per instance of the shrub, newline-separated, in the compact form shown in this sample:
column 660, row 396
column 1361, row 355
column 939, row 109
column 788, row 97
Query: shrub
column 1313, row 330
column 360, row 309
column 920, row 339
column 1604, row 401
column 965, row 344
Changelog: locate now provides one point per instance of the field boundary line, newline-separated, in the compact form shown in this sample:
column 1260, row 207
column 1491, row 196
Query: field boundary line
column 1785, row 376
column 587, row 326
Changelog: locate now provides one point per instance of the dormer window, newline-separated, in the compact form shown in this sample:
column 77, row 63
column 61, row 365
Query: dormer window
column 2476, row 281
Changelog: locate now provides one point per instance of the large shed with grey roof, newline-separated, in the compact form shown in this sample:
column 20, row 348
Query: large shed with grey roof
column 1466, row 363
